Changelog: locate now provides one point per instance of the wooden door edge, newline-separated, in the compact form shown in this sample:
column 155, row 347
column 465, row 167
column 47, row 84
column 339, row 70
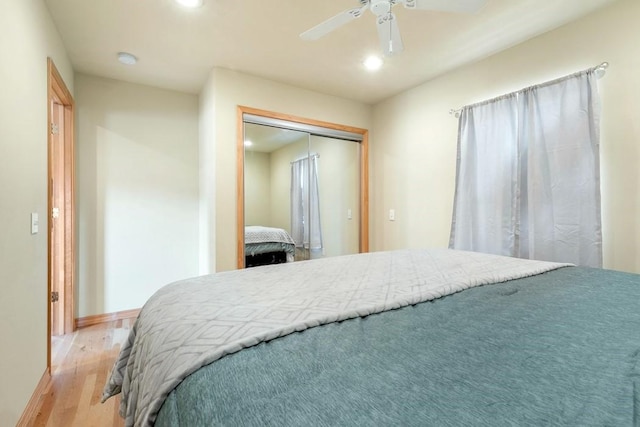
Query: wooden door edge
column 56, row 88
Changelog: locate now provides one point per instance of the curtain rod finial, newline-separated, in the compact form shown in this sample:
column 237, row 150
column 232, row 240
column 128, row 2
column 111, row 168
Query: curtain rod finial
column 601, row 69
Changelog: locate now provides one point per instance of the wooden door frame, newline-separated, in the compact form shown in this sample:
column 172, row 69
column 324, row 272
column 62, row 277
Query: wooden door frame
column 364, row 171
column 57, row 91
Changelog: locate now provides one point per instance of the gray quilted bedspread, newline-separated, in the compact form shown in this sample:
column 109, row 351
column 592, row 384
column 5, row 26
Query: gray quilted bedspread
column 192, row 323
column 259, row 234
column 556, row 349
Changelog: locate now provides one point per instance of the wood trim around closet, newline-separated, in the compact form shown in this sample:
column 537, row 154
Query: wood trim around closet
column 364, row 171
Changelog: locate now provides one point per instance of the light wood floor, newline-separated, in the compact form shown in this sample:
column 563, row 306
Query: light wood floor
column 81, row 363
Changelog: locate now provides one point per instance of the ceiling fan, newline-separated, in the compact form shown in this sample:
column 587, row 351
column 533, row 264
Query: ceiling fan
column 388, row 30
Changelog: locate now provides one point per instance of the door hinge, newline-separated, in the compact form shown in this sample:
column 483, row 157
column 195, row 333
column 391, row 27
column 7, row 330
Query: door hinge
column 54, row 129
column 55, row 296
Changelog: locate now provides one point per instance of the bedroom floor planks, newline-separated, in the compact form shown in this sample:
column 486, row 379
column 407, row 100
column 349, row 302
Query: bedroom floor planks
column 81, row 362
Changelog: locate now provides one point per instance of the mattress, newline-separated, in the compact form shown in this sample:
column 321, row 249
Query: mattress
column 261, row 240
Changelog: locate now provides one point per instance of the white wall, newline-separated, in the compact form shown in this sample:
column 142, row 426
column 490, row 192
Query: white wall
column 339, row 185
column 137, row 185
column 257, row 188
column 414, row 154
column 226, row 90
column 207, row 177
column 28, row 38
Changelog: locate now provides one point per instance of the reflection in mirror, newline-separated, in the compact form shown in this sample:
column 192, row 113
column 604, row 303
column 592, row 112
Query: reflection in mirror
column 267, row 202
column 302, row 188
column 301, row 195
column 338, row 189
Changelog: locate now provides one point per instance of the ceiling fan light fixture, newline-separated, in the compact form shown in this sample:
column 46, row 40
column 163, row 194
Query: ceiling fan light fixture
column 190, row 3
column 373, row 63
column 388, row 30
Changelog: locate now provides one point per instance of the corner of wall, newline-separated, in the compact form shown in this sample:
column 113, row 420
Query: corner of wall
column 207, row 177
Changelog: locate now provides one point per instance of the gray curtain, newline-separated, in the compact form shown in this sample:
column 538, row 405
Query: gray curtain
column 528, row 176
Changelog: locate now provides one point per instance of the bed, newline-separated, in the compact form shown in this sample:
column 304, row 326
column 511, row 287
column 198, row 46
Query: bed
column 411, row 337
column 267, row 245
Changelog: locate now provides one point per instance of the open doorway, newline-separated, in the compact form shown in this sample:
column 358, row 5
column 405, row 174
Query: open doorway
column 60, row 215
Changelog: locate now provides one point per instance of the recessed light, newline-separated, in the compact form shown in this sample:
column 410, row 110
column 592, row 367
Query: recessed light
column 373, row 63
column 190, row 3
column 127, row 58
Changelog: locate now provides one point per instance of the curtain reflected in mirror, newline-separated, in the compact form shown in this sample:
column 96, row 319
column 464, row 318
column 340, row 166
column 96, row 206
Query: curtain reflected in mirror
column 301, row 195
column 306, row 228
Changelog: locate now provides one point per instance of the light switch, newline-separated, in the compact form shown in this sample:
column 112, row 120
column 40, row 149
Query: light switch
column 392, row 214
column 348, row 213
column 34, row 223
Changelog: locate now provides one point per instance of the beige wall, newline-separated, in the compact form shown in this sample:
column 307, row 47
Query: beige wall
column 257, row 188
column 137, row 184
column 207, row 177
column 226, row 90
column 339, row 185
column 414, row 154
column 28, row 38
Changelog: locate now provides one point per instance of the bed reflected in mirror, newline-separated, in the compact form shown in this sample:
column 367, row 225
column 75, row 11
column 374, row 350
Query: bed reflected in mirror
column 267, row 214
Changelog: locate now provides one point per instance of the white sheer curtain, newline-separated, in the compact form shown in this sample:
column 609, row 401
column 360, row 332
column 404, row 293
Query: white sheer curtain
column 487, row 183
column 560, row 126
column 539, row 197
column 305, row 206
column 297, row 197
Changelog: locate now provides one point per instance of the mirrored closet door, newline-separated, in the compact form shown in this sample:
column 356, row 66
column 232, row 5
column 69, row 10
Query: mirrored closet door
column 300, row 190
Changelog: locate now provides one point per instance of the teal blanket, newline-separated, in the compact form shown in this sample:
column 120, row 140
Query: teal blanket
column 560, row 348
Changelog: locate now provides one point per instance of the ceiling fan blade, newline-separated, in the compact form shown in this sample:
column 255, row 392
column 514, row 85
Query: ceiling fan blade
column 389, row 34
column 333, row 23
column 458, row 6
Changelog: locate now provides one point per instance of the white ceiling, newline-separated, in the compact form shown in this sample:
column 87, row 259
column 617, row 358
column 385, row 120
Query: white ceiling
column 265, row 139
column 177, row 47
